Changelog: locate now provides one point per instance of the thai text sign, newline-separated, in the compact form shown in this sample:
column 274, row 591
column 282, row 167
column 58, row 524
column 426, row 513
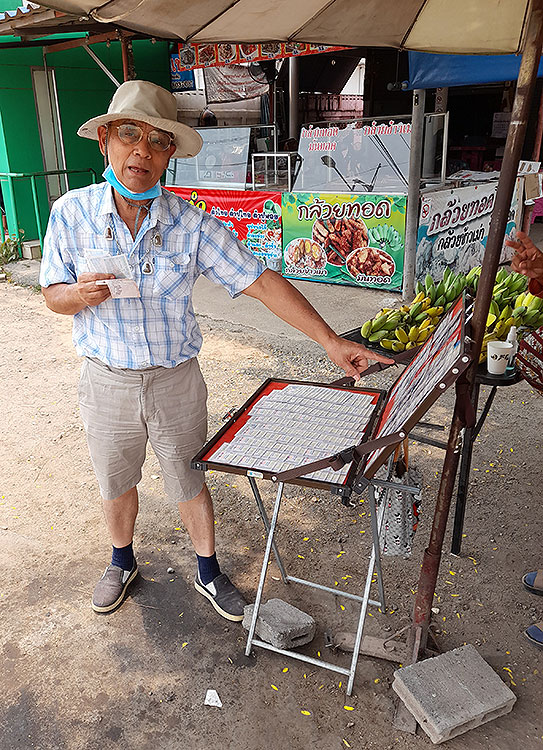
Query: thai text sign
column 355, row 157
column 344, row 238
column 453, row 228
column 253, row 217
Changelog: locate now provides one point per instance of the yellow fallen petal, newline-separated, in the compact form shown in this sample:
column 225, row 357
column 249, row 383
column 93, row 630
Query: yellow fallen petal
column 452, row 572
column 306, row 538
column 274, row 687
column 346, row 743
column 186, row 643
column 285, row 669
column 301, row 557
column 305, row 713
column 348, row 708
column 342, row 607
column 377, row 680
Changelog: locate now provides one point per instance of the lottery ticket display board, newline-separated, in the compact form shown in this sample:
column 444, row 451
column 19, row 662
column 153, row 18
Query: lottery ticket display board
column 435, row 367
column 287, row 424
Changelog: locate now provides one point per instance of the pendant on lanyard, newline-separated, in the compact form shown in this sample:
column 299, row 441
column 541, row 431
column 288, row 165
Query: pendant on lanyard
column 147, row 268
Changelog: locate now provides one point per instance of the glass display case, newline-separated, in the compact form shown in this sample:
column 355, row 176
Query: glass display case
column 363, row 156
column 224, row 163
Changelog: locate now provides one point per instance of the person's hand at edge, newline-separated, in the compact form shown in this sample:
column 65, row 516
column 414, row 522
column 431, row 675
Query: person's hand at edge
column 352, row 357
column 528, row 259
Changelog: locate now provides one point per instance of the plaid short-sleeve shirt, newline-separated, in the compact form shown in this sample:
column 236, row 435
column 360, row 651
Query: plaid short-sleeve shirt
column 179, row 241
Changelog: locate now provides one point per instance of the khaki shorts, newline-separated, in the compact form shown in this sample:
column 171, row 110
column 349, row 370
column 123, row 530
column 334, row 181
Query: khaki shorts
column 122, row 409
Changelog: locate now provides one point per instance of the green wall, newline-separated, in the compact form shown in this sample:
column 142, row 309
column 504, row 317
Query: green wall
column 84, row 91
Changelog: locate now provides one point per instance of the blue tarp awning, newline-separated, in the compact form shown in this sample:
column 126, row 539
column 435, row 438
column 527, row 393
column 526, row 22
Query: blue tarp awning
column 428, row 71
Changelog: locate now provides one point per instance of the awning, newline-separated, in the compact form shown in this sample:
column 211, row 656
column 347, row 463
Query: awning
column 427, row 71
column 441, row 26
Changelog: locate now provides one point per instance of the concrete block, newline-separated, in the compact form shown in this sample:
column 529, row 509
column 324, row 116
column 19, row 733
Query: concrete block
column 452, row 693
column 31, row 250
column 281, row 624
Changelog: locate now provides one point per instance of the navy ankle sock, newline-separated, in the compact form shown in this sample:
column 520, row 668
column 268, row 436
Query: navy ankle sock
column 123, row 557
column 208, row 568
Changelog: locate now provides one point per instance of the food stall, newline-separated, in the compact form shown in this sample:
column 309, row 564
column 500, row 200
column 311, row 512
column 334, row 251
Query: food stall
column 319, row 230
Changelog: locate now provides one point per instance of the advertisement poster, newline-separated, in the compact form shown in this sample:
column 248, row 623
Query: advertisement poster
column 180, row 80
column 355, row 157
column 344, row 238
column 206, row 55
column 453, row 228
column 253, row 217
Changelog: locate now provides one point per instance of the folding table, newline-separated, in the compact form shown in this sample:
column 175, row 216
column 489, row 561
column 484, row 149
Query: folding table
column 335, row 437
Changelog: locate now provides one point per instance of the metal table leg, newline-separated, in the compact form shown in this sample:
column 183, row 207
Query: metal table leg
column 264, row 570
column 375, row 561
column 266, row 522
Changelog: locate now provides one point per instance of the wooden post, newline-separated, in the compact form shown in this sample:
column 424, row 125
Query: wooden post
column 515, row 139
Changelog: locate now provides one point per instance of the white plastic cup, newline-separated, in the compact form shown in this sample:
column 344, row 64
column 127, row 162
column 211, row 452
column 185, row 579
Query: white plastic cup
column 497, row 356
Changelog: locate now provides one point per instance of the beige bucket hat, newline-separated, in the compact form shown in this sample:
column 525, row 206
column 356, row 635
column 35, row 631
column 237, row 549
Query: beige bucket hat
column 147, row 102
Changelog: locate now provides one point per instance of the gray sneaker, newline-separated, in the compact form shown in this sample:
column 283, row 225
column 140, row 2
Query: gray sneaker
column 111, row 588
column 223, row 595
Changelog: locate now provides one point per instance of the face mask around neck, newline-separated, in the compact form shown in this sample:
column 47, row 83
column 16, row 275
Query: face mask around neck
column 110, row 176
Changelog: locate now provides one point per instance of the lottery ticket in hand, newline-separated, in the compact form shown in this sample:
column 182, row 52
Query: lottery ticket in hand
column 120, row 288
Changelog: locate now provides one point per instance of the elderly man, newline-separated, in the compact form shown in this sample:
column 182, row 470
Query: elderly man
column 140, row 378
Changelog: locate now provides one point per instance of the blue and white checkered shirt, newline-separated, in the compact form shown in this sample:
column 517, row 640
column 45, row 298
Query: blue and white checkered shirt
column 180, row 241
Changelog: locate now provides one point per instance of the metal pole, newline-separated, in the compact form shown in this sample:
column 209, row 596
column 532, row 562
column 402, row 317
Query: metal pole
column 293, row 96
column 101, row 65
column 127, row 58
column 413, row 190
column 37, row 210
column 513, row 147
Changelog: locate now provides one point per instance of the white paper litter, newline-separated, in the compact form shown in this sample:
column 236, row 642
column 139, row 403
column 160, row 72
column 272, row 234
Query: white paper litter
column 212, row 699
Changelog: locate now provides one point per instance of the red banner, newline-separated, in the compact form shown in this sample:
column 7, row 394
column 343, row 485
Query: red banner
column 254, row 217
column 205, row 55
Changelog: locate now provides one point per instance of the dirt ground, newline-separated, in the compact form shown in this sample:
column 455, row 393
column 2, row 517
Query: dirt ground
column 136, row 679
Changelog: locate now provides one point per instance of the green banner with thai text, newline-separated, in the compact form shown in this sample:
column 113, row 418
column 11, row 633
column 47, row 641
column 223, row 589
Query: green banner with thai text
column 356, row 239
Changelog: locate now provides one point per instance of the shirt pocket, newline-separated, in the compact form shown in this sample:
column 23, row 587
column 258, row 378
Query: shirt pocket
column 173, row 274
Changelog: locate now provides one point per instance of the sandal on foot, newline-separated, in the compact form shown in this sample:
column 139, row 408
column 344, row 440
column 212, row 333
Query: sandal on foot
column 535, row 634
column 534, row 582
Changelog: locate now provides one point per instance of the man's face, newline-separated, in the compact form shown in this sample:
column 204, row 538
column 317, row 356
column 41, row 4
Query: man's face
column 137, row 166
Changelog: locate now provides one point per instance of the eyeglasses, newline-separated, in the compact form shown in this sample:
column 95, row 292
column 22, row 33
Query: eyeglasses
column 132, row 134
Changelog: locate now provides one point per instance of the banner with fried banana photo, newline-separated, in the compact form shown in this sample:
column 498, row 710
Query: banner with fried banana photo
column 349, row 239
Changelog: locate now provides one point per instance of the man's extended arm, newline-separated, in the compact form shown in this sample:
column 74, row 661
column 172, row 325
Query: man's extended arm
column 285, row 301
column 69, row 299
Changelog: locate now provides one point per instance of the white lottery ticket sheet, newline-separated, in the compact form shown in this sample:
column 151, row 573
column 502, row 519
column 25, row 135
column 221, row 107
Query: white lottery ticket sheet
column 297, row 425
column 114, row 264
column 120, row 288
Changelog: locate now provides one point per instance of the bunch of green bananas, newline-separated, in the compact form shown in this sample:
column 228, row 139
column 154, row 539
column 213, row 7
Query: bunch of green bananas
column 410, row 325
column 386, row 237
column 444, row 293
column 403, row 328
column 525, row 312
